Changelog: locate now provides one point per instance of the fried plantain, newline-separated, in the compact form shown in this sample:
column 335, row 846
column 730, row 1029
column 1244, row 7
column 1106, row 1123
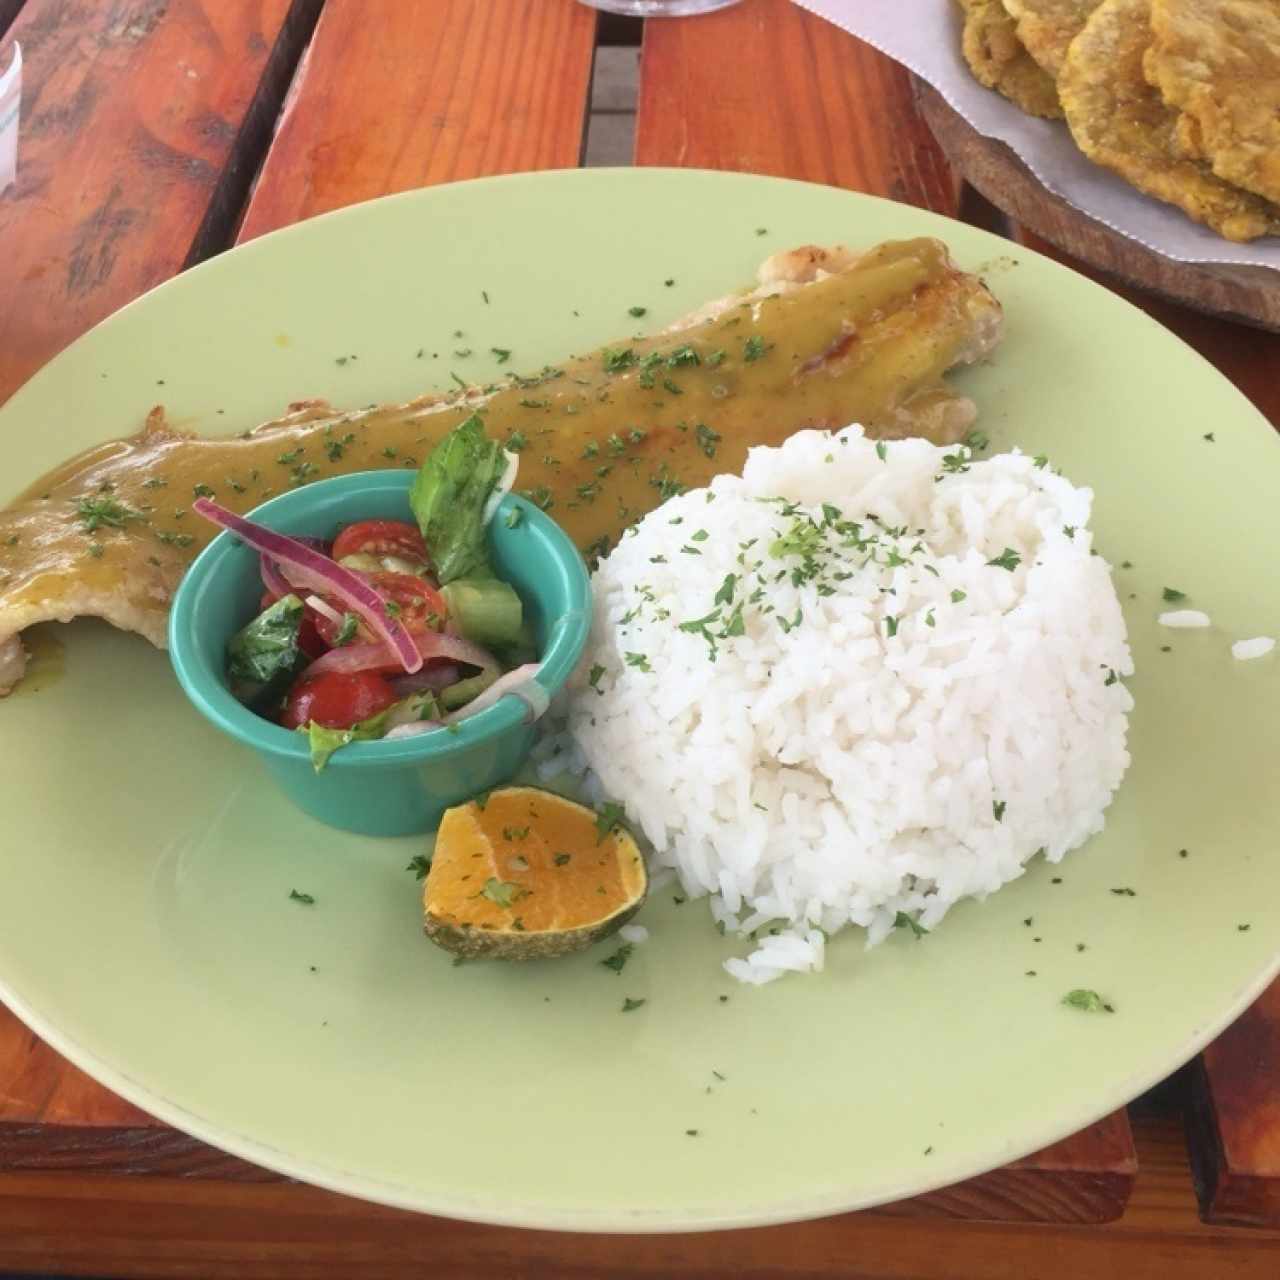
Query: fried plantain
column 1047, row 27
column 998, row 60
column 1218, row 61
column 1120, row 121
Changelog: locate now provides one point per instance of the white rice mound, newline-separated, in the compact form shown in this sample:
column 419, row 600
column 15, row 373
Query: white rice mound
column 904, row 728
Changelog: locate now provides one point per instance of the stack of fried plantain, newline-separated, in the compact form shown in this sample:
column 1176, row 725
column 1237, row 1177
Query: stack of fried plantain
column 1179, row 97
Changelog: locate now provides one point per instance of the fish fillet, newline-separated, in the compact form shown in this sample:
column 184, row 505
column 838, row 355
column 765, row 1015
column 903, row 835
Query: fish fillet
column 827, row 337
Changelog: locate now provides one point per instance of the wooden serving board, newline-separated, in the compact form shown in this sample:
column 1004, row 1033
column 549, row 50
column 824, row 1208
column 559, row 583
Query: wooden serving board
column 1250, row 295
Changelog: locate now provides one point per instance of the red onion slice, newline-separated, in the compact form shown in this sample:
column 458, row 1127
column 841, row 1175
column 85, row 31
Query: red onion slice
column 272, row 578
column 324, row 610
column 412, row 730
column 429, row 644
column 434, row 678
column 310, row 570
column 519, row 682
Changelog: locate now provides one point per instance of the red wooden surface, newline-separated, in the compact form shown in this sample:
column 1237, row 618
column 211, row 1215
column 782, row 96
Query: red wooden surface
column 395, row 94
column 1234, row 1123
column 138, row 121
column 767, row 87
column 165, row 1227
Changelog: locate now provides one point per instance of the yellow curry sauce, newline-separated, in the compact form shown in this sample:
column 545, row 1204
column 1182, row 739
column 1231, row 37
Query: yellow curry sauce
column 602, row 438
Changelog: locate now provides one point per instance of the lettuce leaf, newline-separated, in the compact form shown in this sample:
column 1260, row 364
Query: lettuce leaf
column 325, row 741
column 448, row 498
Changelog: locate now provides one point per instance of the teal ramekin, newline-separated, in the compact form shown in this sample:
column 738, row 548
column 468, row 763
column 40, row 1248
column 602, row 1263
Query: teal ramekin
column 401, row 787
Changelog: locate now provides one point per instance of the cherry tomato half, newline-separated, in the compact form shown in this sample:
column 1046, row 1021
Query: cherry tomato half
column 416, row 605
column 381, row 538
column 337, row 699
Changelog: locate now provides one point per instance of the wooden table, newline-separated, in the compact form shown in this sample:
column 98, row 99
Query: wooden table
column 159, row 132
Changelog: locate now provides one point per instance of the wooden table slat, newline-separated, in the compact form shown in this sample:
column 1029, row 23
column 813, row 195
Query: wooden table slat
column 165, row 1227
column 132, row 113
column 396, row 95
column 1234, row 1121
column 769, row 88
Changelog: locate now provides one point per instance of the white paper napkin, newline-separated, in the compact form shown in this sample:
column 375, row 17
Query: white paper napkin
column 10, row 100
column 924, row 35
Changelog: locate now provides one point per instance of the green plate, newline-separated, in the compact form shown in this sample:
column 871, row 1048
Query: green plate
column 146, row 928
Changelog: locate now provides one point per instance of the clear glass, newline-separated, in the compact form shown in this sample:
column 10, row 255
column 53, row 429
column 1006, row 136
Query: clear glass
column 659, row 8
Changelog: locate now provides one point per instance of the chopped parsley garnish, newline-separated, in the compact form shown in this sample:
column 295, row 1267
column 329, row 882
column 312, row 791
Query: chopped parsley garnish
column 610, row 815
column 682, row 356
column 637, row 311
column 957, row 595
column 628, row 1005
column 616, row 361
column 501, row 354
column 706, row 438
column 96, row 549
column 95, row 512
column 202, row 490
column 502, row 892
column 175, row 539
column 562, row 859
column 419, row 864
column 347, row 631
column 1086, row 1001
column 727, row 587
column 904, row 921
column 593, row 679
column 997, row 809
column 977, row 440
column 305, row 898
column 288, row 459
column 890, row 625
column 755, row 347
column 515, row 833
column 639, row 661
column 1008, row 559
column 1041, row 460
column 1111, row 678
column 882, row 450
column 1172, row 595
column 618, row 961
column 1125, row 892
